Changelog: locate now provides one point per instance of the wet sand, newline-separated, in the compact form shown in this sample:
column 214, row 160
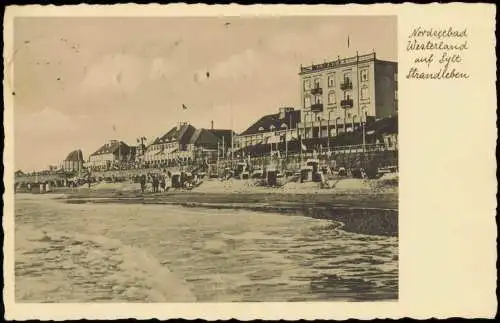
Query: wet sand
column 375, row 214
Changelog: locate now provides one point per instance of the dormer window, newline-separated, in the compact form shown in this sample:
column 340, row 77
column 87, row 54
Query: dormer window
column 272, row 127
column 261, row 128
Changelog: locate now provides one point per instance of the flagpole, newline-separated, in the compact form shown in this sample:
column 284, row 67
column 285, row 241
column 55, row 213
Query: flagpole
column 218, row 153
column 232, row 139
column 286, row 145
column 300, row 148
column 223, row 149
column 359, row 110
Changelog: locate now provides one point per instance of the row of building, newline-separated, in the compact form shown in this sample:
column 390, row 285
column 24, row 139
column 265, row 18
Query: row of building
column 337, row 97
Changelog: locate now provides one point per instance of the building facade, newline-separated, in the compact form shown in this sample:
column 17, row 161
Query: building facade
column 338, row 96
column 270, row 129
column 111, row 153
column 184, row 144
column 173, row 145
column 73, row 162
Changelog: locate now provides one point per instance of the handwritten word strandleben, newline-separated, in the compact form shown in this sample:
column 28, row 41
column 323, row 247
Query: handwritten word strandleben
column 438, row 53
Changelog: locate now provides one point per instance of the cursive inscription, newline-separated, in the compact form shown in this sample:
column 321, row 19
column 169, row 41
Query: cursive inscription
column 437, row 54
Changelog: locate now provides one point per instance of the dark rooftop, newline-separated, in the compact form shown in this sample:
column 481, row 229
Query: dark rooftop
column 182, row 134
column 291, row 119
column 112, row 148
column 75, row 155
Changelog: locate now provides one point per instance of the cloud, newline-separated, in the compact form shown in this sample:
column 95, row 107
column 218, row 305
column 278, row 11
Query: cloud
column 115, row 72
column 237, row 66
column 301, row 42
column 161, row 69
column 48, row 122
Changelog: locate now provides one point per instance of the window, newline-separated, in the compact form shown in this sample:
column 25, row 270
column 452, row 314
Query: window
column 364, row 75
column 364, row 92
column 348, row 116
column 395, row 77
column 307, row 101
column 396, row 94
column 317, row 82
column 331, row 97
column 331, row 80
column 347, row 77
column 307, row 84
column 348, row 95
column 318, row 99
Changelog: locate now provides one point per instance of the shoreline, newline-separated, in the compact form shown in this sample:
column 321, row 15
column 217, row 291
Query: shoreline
column 365, row 207
column 370, row 214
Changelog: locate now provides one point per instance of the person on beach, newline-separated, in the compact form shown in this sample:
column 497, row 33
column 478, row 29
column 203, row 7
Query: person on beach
column 162, row 184
column 143, row 183
column 155, row 184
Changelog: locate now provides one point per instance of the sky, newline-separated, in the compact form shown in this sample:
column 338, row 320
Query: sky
column 80, row 82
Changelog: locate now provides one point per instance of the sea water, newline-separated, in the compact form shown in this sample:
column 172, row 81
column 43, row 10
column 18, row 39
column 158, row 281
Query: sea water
column 162, row 253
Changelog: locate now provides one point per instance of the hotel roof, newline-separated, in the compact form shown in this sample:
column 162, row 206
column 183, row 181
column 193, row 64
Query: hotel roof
column 182, row 134
column 264, row 124
column 75, row 155
column 203, row 137
column 111, row 148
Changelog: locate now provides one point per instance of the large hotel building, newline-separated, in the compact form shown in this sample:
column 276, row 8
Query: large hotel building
column 339, row 95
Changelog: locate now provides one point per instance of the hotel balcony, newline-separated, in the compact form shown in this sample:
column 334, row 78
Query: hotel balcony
column 346, row 104
column 347, row 85
column 317, row 107
column 317, row 91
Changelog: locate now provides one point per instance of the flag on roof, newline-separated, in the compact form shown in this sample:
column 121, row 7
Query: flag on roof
column 184, row 107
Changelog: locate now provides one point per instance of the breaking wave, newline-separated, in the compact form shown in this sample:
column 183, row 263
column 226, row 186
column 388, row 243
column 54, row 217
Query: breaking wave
column 68, row 267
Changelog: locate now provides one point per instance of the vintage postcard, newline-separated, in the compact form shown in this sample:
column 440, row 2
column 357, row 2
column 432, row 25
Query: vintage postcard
column 249, row 162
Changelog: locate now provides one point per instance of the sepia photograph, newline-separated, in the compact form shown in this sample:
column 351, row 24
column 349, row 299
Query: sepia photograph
column 205, row 159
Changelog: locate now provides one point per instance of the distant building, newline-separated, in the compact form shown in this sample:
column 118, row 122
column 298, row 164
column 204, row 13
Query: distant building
column 173, row 145
column 224, row 136
column 338, row 96
column 110, row 153
column 186, row 144
column 205, row 144
column 271, row 129
column 74, row 161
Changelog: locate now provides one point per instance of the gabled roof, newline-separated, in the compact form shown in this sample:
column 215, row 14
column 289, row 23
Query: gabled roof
column 180, row 134
column 223, row 135
column 291, row 119
column 112, row 148
column 203, row 137
column 75, row 155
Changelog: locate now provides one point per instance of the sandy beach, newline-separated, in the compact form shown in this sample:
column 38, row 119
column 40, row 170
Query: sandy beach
column 363, row 206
